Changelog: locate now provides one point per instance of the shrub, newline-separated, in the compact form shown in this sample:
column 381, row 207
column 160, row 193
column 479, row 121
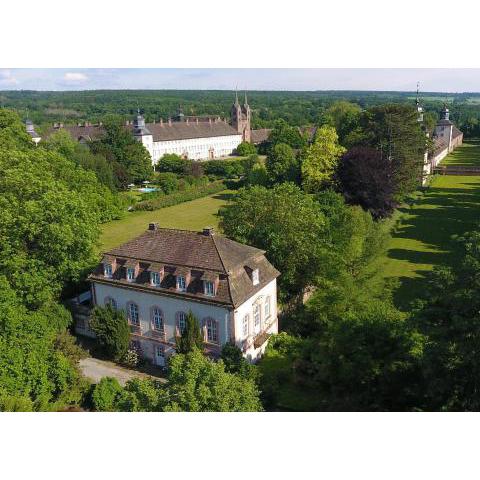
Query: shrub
column 173, row 163
column 180, row 197
column 131, row 358
column 224, row 168
column 112, row 331
column 168, row 182
column 105, row 394
column 245, row 149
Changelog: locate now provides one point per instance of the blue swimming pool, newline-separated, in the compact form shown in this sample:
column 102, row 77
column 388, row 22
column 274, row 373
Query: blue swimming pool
column 147, row 189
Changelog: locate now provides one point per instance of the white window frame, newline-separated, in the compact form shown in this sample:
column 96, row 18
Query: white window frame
column 212, row 330
column 257, row 321
column 181, row 283
column 130, row 274
column 108, row 270
column 135, row 318
column 181, row 318
column 157, row 315
column 255, row 277
column 154, row 276
column 267, row 308
column 209, row 288
column 160, row 351
column 245, row 325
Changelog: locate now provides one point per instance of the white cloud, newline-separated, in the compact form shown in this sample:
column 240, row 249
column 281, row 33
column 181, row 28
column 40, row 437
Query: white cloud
column 75, row 77
column 7, row 79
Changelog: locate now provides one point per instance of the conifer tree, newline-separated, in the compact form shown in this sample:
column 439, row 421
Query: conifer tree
column 191, row 337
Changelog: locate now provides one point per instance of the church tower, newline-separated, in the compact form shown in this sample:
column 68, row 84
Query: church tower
column 241, row 118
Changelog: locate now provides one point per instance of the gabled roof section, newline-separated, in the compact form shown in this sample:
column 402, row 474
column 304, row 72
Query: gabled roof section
column 204, row 255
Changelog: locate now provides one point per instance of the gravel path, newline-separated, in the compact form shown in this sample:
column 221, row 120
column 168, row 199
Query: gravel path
column 96, row 369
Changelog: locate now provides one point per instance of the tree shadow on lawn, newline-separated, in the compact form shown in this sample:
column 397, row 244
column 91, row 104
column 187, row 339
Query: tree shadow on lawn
column 433, row 221
column 224, row 196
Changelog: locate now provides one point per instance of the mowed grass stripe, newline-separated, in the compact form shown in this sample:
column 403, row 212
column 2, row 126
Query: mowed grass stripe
column 423, row 238
column 468, row 155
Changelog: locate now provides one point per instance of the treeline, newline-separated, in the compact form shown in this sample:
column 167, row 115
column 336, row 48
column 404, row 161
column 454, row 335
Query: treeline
column 322, row 213
column 51, row 211
column 297, row 108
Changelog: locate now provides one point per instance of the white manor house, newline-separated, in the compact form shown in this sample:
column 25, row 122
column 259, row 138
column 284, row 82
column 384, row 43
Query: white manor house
column 162, row 275
column 192, row 137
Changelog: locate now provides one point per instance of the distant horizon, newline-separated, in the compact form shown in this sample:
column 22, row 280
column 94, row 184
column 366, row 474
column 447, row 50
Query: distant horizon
column 388, row 80
column 436, row 93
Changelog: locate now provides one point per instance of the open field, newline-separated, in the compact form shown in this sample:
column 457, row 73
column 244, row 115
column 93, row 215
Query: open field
column 192, row 215
column 468, row 154
column 423, row 239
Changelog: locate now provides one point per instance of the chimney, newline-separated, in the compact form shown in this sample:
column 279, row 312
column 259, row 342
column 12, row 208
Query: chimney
column 197, row 120
column 153, row 226
column 208, row 231
column 161, row 122
column 169, row 121
column 210, row 120
column 187, row 121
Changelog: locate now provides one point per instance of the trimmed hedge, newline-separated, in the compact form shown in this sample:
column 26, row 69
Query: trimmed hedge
column 180, row 197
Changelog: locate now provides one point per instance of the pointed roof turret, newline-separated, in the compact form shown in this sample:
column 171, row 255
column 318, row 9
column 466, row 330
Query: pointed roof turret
column 418, row 105
column 139, row 127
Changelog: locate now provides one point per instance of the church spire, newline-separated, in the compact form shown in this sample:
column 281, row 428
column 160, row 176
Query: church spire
column 246, row 102
column 236, row 96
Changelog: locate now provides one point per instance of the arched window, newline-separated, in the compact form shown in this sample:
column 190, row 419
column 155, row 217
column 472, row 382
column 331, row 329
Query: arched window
column 181, row 321
column 267, row 307
column 211, row 327
column 110, row 301
column 157, row 319
column 132, row 313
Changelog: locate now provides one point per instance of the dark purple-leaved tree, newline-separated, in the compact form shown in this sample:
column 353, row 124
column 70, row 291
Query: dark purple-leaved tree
column 366, row 178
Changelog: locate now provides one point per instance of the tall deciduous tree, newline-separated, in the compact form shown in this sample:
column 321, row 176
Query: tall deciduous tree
column 282, row 132
column 394, row 130
column 366, row 177
column 282, row 164
column 280, row 220
column 320, row 159
column 449, row 318
column 345, row 118
column 124, row 152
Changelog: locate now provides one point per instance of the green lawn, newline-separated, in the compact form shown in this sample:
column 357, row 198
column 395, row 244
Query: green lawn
column 423, row 238
column 193, row 215
column 468, row 154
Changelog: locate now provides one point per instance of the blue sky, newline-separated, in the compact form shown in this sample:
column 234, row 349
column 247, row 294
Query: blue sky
column 432, row 80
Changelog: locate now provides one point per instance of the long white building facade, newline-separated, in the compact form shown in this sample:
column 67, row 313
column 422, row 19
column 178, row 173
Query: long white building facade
column 192, row 137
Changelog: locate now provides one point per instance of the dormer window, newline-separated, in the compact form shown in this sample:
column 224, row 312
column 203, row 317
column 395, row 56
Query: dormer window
column 181, row 283
column 209, row 288
column 130, row 274
column 255, row 277
column 108, row 270
column 155, row 279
